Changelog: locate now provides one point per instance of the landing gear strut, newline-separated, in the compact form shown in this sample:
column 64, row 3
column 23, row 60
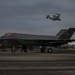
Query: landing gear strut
column 13, row 49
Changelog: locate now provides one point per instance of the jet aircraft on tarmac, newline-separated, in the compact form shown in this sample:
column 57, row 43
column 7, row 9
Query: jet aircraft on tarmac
column 55, row 17
column 13, row 40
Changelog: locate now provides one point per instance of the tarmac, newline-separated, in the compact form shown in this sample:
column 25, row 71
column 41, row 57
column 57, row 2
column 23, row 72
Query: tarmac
column 34, row 62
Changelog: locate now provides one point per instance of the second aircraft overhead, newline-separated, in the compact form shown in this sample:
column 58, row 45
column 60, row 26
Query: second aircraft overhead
column 56, row 17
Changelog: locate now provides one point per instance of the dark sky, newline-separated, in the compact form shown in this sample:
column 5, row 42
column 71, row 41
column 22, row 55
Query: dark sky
column 29, row 16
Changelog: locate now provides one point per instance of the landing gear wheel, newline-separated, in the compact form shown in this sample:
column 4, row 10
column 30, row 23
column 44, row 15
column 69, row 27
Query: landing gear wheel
column 13, row 49
column 49, row 50
column 42, row 50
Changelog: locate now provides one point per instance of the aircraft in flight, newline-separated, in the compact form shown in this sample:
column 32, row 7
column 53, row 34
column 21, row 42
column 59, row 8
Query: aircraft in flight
column 13, row 40
column 56, row 17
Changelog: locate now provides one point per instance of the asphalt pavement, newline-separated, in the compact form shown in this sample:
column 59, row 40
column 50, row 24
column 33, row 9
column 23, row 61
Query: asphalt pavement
column 61, row 61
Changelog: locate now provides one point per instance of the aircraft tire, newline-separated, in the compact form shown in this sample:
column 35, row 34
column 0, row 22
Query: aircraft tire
column 42, row 50
column 25, row 50
column 50, row 50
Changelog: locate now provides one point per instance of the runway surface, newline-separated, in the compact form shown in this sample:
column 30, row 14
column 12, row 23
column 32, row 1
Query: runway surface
column 61, row 61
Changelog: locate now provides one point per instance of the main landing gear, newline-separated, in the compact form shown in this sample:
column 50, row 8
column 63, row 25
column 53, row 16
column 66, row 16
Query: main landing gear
column 43, row 49
column 13, row 49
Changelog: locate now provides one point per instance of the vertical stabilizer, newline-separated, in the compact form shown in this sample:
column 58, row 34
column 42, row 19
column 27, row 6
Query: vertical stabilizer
column 67, row 34
column 60, row 32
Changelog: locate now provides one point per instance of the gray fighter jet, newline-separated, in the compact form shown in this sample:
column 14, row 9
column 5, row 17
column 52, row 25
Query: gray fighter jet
column 13, row 40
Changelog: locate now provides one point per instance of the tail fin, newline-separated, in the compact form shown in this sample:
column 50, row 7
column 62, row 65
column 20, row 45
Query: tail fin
column 67, row 34
column 60, row 32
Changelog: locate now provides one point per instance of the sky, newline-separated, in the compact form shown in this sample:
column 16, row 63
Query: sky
column 29, row 16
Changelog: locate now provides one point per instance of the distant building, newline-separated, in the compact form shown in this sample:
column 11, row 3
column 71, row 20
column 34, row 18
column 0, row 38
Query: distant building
column 72, row 44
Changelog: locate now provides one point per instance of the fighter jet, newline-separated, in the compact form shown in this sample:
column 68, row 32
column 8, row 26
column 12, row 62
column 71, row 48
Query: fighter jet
column 13, row 40
column 56, row 17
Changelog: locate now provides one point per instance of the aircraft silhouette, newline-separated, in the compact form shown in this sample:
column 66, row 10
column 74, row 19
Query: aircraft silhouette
column 14, row 41
column 55, row 17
